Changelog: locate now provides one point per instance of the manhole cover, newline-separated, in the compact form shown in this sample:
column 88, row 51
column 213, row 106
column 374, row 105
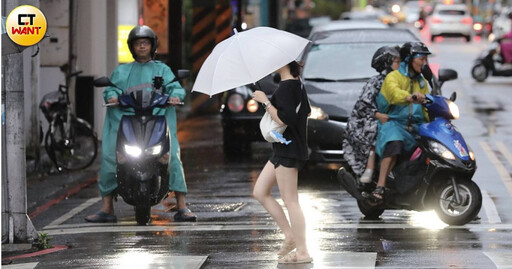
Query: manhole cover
column 223, row 207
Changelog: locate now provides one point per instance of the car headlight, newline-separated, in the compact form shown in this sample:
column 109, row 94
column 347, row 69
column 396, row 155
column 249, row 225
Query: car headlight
column 252, row 105
column 454, row 109
column 441, row 150
column 318, row 114
column 235, row 102
column 133, row 151
column 154, row 150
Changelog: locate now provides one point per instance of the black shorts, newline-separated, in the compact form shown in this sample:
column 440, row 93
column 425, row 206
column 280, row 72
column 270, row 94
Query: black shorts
column 287, row 162
column 393, row 148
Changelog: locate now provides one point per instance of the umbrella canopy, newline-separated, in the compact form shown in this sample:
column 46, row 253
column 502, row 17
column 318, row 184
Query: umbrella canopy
column 247, row 57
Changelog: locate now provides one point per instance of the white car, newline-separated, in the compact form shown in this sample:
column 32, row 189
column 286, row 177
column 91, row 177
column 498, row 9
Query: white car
column 451, row 20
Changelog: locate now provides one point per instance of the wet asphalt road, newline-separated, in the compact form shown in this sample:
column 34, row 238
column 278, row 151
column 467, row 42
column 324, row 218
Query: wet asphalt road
column 234, row 231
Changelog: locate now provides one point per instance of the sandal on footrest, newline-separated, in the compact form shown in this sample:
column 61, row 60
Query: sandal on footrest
column 376, row 197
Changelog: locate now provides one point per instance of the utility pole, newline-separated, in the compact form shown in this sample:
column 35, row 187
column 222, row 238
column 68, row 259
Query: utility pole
column 13, row 150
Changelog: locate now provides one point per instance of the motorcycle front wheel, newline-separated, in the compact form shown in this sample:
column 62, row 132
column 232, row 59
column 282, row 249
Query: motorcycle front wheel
column 479, row 72
column 458, row 213
column 142, row 214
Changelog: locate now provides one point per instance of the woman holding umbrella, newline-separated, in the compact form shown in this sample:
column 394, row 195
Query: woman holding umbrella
column 286, row 161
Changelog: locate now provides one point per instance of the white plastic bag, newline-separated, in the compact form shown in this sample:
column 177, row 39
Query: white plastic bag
column 267, row 125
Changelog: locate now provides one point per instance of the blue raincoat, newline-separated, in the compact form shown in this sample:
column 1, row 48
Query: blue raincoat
column 391, row 101
column 130, row 77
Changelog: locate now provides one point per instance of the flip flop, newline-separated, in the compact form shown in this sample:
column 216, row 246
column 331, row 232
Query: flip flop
column 181, row 215
column 291, row 258
column 101, row 217
column 285, row 249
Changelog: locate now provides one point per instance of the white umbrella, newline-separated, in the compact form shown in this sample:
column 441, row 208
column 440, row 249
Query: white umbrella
column 247, row 57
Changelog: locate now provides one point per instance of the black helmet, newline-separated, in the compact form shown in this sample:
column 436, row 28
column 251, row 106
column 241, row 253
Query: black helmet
column 411, row 48
column 383, row 58
column 139, row 32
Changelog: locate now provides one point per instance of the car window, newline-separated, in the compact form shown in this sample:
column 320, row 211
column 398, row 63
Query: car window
column 341, row 61
column 452, row 12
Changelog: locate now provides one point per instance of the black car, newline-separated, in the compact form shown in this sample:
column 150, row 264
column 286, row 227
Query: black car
column 337, row 65
column 241, row 115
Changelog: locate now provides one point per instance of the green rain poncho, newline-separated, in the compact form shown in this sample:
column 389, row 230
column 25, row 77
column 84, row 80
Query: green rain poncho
column 130, row 77
column 391, row 101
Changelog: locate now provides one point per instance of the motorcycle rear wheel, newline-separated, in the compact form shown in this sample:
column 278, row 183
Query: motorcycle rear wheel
column 369, row 211
column 453, row 213
column 479, row 72
column 142, row 214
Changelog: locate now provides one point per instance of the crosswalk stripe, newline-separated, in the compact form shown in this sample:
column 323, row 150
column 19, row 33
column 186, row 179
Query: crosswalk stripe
column 503, row 149
column 131, row 227
column 73, row 212
column 502, row 260
column 490, row 208
column 505, row 176
column 30, row 265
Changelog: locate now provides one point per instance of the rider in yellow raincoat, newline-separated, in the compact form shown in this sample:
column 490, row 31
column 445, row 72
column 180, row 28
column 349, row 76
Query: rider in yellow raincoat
column 137, row 75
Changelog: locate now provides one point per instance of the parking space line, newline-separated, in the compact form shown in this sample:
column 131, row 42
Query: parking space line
column 73, row 212
column 502, row 260
column 503, row 149
column 490, row 208
column 502, row 171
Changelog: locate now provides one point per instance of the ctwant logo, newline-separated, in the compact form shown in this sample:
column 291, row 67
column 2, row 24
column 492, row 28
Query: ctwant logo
column 26, row 25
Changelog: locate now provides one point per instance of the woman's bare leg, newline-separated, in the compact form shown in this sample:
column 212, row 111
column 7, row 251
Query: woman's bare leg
column 287, row 179
column 262, row 189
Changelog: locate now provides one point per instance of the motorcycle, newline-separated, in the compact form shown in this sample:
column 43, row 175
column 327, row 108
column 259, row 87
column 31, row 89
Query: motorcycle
column 485, row 64
column 437, row 175
column 143, row 146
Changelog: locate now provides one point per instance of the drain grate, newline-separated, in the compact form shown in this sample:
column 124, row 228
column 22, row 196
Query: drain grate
column 222, row 207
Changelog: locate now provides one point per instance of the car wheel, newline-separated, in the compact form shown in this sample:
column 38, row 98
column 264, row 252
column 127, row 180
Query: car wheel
column 432, row 37
column 468, row 38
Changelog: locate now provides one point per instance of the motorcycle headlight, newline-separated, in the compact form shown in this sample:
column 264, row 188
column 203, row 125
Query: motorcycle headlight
column 441, row 150
column 471, row 153
column 154, row 150
column 133, row 151
column 318, row 114
column 454, row 109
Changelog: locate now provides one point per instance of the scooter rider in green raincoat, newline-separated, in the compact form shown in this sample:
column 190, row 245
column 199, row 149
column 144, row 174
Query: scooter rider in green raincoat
column 137, row 75
column 396, row 136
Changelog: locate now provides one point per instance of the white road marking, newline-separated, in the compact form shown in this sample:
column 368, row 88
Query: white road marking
column 490, row 208
column 502, row 260
column 30, row 265
column 504, row 174
column 503, row 149
column 327, row 260
column 114, row 228
column 73, row 212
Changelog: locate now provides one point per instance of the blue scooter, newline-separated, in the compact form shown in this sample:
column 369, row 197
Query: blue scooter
column 143, row 146
column 436, row 175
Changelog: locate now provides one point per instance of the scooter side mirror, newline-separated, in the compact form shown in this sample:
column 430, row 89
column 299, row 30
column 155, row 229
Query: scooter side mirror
column 103, row 82
column 427, row 72
column 447, row 74
column 453, row 97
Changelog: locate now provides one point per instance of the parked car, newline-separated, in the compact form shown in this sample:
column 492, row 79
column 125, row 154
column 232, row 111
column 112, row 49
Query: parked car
column 451, row 20
column 337, row 65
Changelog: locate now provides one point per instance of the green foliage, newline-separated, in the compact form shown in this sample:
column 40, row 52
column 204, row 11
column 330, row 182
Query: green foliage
column 331, row 8
column 43, row 241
